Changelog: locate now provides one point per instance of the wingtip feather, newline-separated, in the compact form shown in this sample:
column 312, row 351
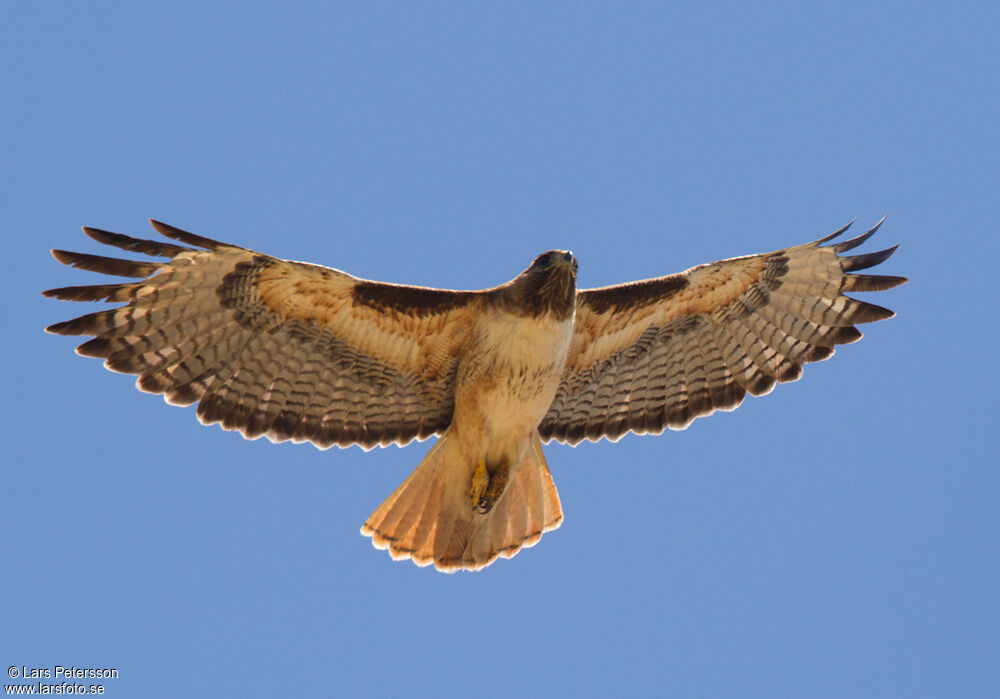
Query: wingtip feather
column 106, row 265
column 127, row 242
column 169, row 231
column 872, row 282
column 836, row 233
column 854, row 263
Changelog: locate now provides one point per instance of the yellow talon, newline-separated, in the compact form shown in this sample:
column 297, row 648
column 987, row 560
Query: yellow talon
column 487, row 488
column 480, row 479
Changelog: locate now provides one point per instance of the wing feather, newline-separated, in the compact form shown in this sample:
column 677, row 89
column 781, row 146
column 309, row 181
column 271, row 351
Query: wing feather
column 658, row 353
column 272, row 347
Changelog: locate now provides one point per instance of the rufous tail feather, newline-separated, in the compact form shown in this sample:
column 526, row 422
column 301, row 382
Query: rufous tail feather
column 430, row 518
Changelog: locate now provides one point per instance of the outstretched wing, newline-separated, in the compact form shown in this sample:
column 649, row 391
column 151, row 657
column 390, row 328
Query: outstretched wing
column 661, row 352
column 272, row 347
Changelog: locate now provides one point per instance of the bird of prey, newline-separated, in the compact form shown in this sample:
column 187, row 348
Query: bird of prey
column 300, row 352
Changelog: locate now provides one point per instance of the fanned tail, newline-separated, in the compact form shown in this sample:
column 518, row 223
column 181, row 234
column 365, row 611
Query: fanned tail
column 430, row 519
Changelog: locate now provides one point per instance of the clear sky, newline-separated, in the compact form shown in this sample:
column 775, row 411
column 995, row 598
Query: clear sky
column 838, row 537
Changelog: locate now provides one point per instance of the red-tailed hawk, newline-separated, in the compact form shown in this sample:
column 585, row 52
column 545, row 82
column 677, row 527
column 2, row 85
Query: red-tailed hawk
column 296, row 351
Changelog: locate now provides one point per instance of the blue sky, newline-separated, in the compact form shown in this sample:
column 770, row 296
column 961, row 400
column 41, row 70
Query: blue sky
column 836, row 538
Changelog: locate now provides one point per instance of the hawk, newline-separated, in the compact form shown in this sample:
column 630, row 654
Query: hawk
column 295, row 351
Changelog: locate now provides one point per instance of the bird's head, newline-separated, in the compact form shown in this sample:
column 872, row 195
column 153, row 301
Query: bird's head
column 547, row 286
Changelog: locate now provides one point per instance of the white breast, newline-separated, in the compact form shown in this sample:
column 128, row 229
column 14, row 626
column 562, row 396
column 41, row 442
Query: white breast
column 530, row 342
column 509, row 382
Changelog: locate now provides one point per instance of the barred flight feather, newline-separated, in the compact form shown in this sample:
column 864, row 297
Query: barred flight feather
column 755, row 320
column 206, row 327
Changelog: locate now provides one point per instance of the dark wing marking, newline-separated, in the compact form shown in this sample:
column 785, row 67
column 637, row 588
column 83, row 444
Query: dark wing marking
column 271, row 347
column 661, row 352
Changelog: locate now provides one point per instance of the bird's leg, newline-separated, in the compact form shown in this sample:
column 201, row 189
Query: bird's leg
column 488, row 487
column 480, row 480
column 497, row 485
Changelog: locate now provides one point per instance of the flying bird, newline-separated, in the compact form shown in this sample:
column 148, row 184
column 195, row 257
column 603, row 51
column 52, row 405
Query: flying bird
column 301, row 352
